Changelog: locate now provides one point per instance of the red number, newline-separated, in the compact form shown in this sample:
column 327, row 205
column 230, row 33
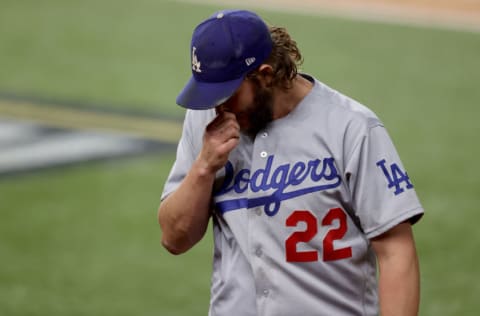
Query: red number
column 329, row 252
column 293, row 255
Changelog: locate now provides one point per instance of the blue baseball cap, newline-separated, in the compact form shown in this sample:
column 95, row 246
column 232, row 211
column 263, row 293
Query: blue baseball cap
column 224, row 49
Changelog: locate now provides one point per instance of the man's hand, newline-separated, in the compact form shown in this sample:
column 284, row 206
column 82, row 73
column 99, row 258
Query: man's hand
column 220, row 138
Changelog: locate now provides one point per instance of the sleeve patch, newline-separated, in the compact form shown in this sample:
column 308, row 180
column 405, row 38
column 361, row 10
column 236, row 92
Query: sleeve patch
column 395, row 176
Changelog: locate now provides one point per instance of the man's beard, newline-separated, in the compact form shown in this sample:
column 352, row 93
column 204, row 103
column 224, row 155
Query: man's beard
column 261, row 112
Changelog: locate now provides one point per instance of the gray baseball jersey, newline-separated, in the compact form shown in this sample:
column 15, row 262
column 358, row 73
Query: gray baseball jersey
column 295, row 208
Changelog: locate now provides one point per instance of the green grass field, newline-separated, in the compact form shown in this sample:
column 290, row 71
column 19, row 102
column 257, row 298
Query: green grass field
column 84, row 240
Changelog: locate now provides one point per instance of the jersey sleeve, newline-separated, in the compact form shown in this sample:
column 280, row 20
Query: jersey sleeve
column 382, row 193
column 185, row 155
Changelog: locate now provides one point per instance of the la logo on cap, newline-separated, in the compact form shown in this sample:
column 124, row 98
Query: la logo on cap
column 195, row 63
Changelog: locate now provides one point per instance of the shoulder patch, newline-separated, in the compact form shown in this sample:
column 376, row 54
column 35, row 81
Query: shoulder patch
column 396, row 177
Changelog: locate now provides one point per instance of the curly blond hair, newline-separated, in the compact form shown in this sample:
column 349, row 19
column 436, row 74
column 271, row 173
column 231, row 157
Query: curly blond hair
column 285, row 58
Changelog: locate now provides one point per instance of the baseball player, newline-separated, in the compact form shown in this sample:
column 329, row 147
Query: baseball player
column 304, row 186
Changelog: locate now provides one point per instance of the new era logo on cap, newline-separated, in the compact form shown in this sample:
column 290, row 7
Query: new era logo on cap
column 224, row 49
column 250, row 61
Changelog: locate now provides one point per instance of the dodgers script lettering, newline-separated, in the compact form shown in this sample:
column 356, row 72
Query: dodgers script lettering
column 280, row 183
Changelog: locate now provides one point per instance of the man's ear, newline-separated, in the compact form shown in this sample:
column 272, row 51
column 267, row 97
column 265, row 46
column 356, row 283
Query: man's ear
column 265, row 75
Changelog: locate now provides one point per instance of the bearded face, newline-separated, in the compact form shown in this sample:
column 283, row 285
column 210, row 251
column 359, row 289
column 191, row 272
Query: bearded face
column 260, row 113
column 252, row 105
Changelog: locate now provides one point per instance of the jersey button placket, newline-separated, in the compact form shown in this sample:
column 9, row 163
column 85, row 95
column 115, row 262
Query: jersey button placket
column 259, row 258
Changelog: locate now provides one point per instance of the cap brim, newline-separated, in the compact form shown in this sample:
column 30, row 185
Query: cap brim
column 197, row 95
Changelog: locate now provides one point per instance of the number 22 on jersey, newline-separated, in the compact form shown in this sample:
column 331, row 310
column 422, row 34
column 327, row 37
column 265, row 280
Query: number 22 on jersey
column 329, row 251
